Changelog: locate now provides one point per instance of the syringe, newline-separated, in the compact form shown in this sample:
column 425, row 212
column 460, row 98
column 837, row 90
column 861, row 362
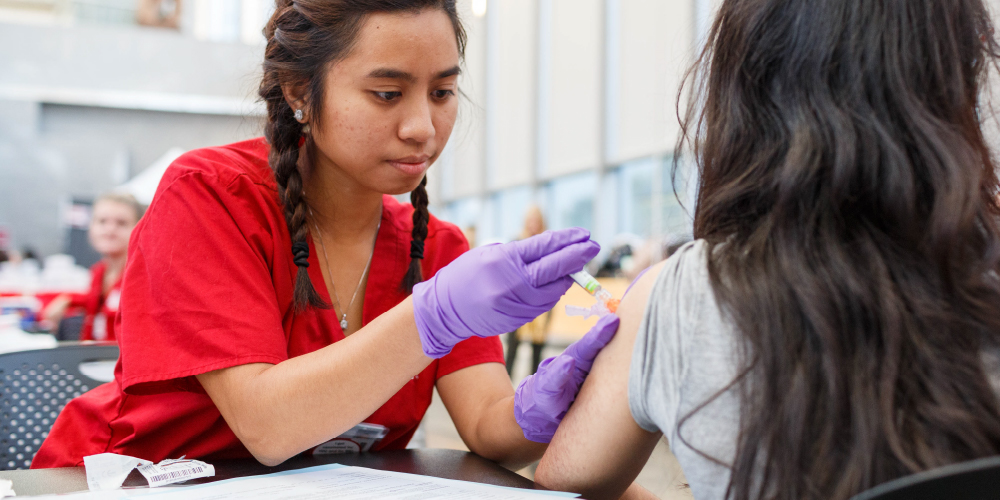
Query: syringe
column 605, row 304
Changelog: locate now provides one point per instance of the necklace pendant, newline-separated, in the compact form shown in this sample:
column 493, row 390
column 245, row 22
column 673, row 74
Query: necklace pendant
column 343, row 323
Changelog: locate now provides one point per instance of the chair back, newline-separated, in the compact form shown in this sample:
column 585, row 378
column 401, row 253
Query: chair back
column 34, row 388
column 972, row 480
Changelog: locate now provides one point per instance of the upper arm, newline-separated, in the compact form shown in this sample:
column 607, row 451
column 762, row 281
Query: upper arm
column 599, row 449
column 194, row 302
column 228, row 388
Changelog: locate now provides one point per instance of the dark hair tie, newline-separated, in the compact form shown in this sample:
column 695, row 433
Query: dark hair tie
column 416, row 249
column 300, row 250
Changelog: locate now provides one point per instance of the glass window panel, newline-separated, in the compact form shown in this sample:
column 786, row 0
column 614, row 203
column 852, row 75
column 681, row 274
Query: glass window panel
column 636, row 196
column 570, row 201
column 511, row 205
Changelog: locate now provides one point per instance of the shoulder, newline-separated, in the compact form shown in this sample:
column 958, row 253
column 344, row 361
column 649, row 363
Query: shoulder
column 688, row 264
column 235, row 178
column 223, row 166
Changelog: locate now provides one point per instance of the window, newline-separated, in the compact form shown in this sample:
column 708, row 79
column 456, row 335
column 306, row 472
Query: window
column 570, row 201
column 509, row 206
column 635, row 210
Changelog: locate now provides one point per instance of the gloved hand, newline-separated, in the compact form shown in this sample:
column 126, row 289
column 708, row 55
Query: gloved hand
column 542, row 400
column 495, row 289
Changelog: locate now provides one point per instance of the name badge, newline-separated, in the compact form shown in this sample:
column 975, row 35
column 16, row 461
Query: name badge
column 360, row 438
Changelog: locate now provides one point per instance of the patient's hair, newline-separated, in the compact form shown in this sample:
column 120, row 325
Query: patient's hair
column 847, row 193
column 303, row 38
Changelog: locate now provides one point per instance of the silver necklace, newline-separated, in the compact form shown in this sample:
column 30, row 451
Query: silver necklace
column 326, row 258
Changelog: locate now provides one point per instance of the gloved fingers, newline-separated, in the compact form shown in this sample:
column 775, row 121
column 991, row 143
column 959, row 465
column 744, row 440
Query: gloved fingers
column 562, row 262
column 536, row 247
column 544, row 364
column 557, row 374
column 551, row 293
column 587, row 348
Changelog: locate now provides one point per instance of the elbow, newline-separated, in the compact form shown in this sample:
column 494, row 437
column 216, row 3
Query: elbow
column 267, row 460
column 270, row 456
column 265, row 446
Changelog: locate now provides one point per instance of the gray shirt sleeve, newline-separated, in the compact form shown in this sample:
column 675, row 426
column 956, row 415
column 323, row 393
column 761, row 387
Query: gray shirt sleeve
column 683, row 366
column 658, row 358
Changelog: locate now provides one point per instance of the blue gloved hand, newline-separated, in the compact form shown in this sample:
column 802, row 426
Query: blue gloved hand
column 495, row 289
column 542, row 400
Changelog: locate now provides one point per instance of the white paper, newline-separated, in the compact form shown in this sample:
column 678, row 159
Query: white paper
column 331, row 481
column 6, row 488
column 107, row 471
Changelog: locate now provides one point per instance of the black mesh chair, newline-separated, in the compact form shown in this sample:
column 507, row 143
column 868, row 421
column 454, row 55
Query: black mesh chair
column 973, row 480
column 34, row 388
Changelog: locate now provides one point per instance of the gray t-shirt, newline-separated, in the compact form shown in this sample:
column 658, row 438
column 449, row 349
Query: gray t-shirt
column 684, row 355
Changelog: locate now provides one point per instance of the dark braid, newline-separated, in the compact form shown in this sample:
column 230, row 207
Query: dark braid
column 303, row 38
column 284, row 133
column 420, row 218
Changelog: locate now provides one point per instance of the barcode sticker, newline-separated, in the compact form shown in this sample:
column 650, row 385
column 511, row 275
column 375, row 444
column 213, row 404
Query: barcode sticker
column 175, row 471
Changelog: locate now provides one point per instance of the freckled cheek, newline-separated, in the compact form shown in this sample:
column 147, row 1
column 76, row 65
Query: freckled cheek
column 444, row 123
column 351, row 128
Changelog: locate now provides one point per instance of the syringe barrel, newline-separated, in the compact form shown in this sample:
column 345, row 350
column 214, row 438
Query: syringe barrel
column 588, row 282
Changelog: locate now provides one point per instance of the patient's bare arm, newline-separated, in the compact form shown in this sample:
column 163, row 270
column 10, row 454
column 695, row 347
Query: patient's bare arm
column 598, row 449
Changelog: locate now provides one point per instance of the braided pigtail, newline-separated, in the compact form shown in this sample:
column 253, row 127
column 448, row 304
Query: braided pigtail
column 285, row 133
column 420, row 218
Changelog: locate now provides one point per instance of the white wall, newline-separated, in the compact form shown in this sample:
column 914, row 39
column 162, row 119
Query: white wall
column 573, row 122
column 512, row 162
column 654, row 50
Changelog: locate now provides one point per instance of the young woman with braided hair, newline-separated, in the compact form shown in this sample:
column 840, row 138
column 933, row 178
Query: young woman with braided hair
column 267, row 307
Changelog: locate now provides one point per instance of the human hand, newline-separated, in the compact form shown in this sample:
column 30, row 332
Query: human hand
column 542, row 400
column 56, row 309
column 495, row 289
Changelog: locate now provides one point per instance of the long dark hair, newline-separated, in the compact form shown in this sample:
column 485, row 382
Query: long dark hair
column 303, row 38
column 847, row 195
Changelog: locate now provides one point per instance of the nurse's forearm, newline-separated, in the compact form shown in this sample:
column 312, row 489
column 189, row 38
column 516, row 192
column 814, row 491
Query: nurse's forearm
column 502, row 440
column 278, row 411
column 480, row 401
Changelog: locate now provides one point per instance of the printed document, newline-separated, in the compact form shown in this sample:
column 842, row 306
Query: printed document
column 329, row 481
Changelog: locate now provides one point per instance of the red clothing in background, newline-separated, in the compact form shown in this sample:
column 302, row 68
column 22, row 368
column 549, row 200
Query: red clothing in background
column 209, row 285
column 100, row 309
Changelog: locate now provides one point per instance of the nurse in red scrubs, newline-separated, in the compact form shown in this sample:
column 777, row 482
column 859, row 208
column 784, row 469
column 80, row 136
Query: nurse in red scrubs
column 277, row 294
column 112, row 220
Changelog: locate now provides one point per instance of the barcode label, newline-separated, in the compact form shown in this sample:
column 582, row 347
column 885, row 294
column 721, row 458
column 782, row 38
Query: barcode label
column 176, row 474
column 175, row 471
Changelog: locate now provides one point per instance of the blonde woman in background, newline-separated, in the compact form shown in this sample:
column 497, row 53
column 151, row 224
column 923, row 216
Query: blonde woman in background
column 113, row 218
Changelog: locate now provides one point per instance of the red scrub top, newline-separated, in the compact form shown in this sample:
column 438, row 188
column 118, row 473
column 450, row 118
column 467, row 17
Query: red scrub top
column 100, row 310
column 209, row 285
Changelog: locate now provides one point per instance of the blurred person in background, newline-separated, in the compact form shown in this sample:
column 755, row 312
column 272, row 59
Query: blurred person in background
column 113, row 217
column 834, row 326
column 28, row 253
column 277, row 294
column 159, row 13
column 537, row 330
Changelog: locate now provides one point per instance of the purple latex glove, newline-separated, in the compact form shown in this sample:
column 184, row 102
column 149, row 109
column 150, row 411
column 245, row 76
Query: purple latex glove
column 542, row 400
column 495, row 289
